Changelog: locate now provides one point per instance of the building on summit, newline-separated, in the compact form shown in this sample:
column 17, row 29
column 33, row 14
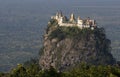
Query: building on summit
column 72, row 21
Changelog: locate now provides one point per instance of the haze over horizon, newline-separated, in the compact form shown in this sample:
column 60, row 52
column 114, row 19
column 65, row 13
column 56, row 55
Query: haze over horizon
column 22, row 23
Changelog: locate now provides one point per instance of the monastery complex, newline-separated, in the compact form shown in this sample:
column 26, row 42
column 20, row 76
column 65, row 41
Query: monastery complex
column 72, row 21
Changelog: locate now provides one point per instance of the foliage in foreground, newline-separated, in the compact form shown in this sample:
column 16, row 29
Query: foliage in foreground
column 83, row 70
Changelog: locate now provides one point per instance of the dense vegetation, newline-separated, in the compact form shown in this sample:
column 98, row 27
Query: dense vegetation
column 63, row 32
column 32, row 68
column 21, row 23
column 83, row 70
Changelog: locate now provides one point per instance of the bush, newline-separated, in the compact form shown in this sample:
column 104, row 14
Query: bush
column 70, row 32
column 82, row 70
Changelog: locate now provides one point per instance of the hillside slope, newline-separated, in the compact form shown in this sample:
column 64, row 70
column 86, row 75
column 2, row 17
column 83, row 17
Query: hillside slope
column 66, row 47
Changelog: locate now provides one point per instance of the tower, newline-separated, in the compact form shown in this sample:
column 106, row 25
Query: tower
column 60, row 20
column 94, row 23
column 72, row 18
column 80, row 22
column 60, row 14
column 88, row 21
column 57, row 16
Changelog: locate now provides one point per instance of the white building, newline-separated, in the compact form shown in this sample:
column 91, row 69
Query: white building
column 63, row 21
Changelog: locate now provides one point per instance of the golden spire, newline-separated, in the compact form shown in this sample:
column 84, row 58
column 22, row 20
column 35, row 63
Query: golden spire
column 72, row 17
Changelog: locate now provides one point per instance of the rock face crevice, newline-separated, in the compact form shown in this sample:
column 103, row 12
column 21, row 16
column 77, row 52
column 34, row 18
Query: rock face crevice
column 65, row 47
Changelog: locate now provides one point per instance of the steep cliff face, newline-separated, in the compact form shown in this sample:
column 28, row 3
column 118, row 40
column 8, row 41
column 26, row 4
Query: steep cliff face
column 66, row 47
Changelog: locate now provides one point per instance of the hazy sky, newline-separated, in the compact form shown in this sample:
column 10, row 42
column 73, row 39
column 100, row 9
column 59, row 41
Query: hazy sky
column 32, row 15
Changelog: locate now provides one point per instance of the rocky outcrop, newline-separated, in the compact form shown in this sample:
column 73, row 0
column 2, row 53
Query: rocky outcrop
column 66, row 47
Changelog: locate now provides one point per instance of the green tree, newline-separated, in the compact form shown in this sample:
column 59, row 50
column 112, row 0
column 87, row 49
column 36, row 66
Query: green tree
column 19, row 71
